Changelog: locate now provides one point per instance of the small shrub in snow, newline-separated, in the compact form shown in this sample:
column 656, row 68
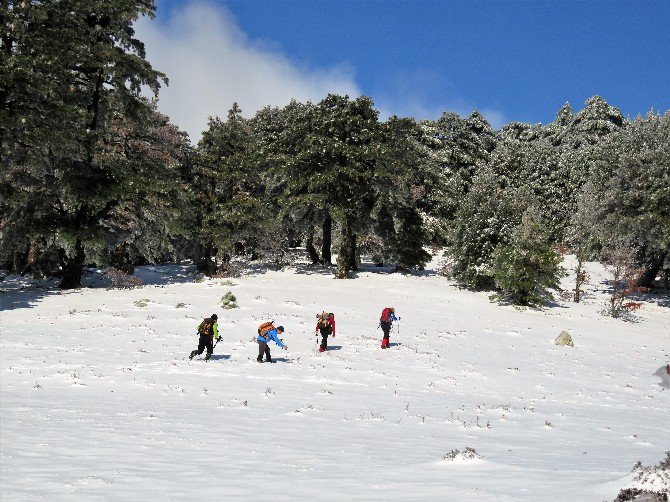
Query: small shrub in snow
column 142, row 303
column 228, row 301
column 180, row 305
column 228, row 283
column 564, row 339
column 469, row 454
column 635, row 494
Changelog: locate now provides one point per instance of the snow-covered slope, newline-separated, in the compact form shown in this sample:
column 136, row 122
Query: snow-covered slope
column 99, row 399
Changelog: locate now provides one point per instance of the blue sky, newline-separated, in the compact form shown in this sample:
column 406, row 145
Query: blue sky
column 511, row 60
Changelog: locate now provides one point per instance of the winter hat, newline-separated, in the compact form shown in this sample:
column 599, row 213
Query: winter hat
column 280, row 328
column 214, row 317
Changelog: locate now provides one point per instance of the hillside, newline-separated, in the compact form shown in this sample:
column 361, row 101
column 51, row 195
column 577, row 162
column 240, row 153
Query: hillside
column 99, row 399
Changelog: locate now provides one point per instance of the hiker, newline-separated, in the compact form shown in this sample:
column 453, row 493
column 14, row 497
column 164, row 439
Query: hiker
column 208, row 331
column 325, row 325
column 266, row 333
column 386, row 321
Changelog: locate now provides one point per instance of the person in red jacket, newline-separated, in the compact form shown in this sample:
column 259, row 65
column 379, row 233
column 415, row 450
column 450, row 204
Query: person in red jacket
column 326, row 326
column 386, row 322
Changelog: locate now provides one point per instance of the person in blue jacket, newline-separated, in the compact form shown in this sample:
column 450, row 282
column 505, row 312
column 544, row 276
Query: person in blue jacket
column 267, row 333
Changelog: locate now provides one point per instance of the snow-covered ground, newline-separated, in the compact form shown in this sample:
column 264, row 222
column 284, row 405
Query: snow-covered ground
column 99, row 400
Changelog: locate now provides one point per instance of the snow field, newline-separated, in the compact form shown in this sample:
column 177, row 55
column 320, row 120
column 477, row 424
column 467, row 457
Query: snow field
column 100, row 401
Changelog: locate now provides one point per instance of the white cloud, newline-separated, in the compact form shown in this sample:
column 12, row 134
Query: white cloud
column 211, row 63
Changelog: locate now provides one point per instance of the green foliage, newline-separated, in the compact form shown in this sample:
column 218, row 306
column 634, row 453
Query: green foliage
column 456, row 149
column 398, row 191
column 229, row 301
column 76, row 165
column 526, row 268
column 485, row 219
column 633, row 175
column 92, row 173
column 231, row 215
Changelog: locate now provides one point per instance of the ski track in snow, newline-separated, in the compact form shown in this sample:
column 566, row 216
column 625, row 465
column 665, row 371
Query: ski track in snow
column 99, row 399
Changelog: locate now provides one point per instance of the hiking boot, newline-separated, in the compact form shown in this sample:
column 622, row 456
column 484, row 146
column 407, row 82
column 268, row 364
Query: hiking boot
column 193, row 353
column 322, row 349
column 259, row 360
column 207, row 357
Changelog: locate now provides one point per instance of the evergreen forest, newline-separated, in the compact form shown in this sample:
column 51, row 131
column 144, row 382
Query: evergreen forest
column 93, row 175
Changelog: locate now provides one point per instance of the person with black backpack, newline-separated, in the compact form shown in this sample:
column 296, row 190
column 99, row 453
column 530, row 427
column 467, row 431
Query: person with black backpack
column 208, row 331
column 325, row 325
column 386, row 322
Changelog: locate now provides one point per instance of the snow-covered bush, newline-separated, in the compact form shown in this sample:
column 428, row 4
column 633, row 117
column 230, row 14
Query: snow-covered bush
column 228, row 301
column 648, row 483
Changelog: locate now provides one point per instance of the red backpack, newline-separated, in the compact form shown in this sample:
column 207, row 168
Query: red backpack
column 386, row 315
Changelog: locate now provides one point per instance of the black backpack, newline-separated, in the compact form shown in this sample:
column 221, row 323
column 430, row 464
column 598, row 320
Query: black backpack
column 206, row 327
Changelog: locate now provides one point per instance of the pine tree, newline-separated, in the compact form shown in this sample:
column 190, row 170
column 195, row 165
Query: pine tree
column 486, row 218
column 397, row 222
column 294, row 176
column 232, row 217
column 526, row 268
column 345, row 145
column 458, row 147
column 68, row 67
column 150, row 211
column 324, row 163
column 633, row 175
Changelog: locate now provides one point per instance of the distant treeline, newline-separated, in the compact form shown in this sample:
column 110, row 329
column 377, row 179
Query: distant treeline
column 93, row 174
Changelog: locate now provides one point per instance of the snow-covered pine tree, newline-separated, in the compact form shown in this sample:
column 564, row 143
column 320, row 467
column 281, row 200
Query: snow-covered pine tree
column 632, row 170
column 151, row 210
column 486, row 218
column 68, row 67
column 457, row 147
column 232, row 216
column 284, row 147
column 344, row 144
column 527, row 268
column 398, row 186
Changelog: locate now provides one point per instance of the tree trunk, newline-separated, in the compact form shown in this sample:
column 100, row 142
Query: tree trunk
column 346, row 250
column 72, row 267
column 580, row 278
column 206, row 260
column 353, row 252
column 327, row 240
column 309, row 245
